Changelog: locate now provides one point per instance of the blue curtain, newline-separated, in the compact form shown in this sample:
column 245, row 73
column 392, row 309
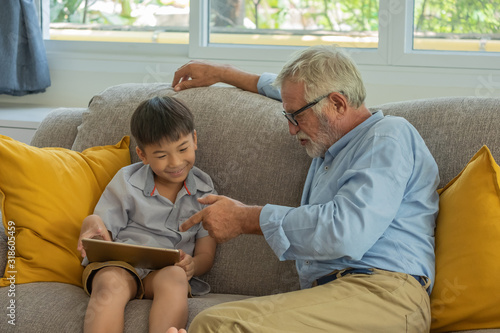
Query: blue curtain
column 23, row 61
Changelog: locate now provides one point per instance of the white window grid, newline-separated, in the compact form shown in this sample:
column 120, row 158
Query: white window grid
column 395, row 45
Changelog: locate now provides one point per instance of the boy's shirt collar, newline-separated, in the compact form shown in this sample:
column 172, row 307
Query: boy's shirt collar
column 190, row 183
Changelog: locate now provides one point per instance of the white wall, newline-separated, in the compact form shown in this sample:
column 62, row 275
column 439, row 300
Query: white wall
column 79, row 74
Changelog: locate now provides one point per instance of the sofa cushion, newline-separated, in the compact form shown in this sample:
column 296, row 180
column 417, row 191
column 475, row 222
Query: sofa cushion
column 60, row 307
column 45, row 195
column 467, row 289
column 63, row 124
column 453, row 128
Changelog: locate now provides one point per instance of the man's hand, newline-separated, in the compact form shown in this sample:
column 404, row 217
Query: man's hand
column 197, row 74
column 225, row 218
column 187, row 264
column 92, row 227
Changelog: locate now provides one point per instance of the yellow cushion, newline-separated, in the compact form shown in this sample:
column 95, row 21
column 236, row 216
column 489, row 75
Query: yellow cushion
column 45, row 195
column 466, row 293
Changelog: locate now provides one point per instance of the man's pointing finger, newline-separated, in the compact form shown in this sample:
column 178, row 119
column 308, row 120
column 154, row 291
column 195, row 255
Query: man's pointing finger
column 195, row 219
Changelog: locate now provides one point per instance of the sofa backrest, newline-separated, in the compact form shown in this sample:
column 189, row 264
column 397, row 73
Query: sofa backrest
column 454, row 128
column 244, row 144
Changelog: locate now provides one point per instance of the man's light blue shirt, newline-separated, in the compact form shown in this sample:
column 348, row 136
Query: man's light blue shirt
column 371, row 202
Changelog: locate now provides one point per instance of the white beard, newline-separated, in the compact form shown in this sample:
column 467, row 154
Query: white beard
column 328, row 134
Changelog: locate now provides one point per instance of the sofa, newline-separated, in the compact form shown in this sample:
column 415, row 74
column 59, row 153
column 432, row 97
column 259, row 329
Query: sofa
column 244, row 144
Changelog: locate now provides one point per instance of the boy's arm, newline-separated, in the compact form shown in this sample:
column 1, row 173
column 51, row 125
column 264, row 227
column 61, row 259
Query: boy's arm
column 204, row 255
column 114, row 204
column 92, row 227
column 111, row 207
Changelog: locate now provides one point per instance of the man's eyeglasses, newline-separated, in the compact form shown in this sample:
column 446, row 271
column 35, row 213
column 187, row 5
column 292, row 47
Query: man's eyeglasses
column 291, row 116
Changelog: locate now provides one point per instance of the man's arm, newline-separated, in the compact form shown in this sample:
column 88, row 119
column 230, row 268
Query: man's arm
column 201, row 74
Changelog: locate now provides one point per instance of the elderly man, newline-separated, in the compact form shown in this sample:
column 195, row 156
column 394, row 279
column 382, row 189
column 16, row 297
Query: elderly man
column 363, row 236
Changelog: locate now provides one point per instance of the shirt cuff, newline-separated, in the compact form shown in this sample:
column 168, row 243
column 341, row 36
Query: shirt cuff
column 265, row 87
column 271, row 220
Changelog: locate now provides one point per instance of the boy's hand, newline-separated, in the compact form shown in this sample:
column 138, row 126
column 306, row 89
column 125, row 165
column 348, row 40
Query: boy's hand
column 92, row 227
column 187, row 264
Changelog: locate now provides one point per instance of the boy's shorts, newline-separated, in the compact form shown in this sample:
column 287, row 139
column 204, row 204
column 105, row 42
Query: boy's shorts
column 91, row 269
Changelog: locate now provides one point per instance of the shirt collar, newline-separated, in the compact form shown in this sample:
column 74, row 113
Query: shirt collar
column 149, row 182
column 144, row 180
column 190, row 183
column 343, row 141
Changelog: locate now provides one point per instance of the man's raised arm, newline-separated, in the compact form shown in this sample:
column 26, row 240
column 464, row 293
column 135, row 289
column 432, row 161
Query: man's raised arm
column 202, row 74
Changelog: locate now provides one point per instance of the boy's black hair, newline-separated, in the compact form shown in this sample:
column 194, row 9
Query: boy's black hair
column 160, row 118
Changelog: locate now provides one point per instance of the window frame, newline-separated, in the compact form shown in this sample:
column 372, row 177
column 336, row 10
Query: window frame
column 395, row 45
column 199, row 46
column 403, row 54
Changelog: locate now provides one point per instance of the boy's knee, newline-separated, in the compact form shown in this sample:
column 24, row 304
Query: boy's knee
column 169, row 279
column 172, row 274
column 113, row 280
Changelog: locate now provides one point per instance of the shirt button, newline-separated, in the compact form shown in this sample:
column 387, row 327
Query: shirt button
column 307, row 262
column 326, row 168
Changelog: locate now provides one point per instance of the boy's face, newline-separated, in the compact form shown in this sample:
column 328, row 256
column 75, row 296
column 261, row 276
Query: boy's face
column 171, row 161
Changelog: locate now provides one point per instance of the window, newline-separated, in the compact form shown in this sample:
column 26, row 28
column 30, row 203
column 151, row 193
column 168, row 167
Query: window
column 420, row 34
column 294, row 22
column 270, row 29
column 135, row 21
column 244, row 22
column 458, row 25
column 430, row 33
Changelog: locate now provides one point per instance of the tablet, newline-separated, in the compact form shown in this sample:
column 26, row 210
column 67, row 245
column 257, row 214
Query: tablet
column 136, row 255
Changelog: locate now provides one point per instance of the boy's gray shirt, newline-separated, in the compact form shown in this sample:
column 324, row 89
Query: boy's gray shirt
column 135, row 213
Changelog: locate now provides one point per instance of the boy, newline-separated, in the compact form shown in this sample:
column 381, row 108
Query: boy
column 144, row 204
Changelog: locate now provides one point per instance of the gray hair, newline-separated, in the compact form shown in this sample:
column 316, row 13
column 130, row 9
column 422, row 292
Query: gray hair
column 324, row 69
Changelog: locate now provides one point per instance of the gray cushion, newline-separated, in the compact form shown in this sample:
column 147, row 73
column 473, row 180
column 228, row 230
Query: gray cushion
column 53, row 132
column 454, row 128
column 57, row 307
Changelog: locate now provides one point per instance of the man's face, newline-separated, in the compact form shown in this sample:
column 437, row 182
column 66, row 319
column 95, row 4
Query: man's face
column 316, row 134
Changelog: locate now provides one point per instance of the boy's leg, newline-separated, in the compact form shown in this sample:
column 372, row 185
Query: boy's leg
column 382, row 302
column 112, row 288
column 168, row 287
